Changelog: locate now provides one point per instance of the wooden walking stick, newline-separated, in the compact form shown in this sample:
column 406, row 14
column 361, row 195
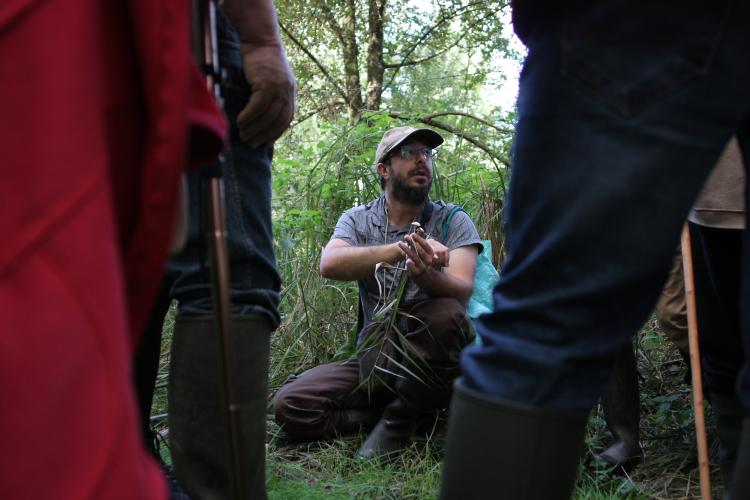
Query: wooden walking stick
column 695, row 365
column 205, row 49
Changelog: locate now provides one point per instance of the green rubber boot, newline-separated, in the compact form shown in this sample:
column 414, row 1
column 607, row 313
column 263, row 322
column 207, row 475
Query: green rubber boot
column 503, row 450
column 197, row 429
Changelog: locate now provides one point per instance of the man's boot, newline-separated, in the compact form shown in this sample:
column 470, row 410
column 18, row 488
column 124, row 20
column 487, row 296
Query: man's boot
column 392, row 432
column 739, row 489
column 728, row 415
column 354, row 420
column 196, row 422
column 399, row 420
column 622, row 411
column 498, row 449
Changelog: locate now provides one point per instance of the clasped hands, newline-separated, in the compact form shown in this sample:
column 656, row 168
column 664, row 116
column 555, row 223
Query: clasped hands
column 423, row 254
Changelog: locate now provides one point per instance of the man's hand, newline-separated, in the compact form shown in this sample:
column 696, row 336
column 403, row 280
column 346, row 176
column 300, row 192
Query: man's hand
column 441, row 251
column 271, row 107
column 424, row 264
column 421, row 255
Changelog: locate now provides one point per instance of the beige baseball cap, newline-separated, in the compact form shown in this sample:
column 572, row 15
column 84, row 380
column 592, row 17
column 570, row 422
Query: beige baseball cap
column 397, row 136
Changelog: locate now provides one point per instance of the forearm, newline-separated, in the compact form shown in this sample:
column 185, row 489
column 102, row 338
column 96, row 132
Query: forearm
column 442, row 284
column 348, row 263
column 255, row 22
column 270, row 108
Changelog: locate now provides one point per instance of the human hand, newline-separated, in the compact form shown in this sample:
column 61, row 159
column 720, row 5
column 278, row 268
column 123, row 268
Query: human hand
column 270, row 109
column 420, row 256
column 441, row 251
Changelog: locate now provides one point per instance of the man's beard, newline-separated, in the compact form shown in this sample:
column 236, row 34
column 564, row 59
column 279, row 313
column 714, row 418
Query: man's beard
column 404, row 193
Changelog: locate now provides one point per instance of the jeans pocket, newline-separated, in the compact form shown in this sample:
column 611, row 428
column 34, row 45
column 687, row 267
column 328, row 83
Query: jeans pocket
column 628, row 55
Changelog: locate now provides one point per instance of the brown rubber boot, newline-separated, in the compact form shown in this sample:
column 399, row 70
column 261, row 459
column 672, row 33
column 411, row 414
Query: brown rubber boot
column 621, row 404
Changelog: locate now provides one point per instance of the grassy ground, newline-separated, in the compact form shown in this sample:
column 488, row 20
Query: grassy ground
column 328, row 469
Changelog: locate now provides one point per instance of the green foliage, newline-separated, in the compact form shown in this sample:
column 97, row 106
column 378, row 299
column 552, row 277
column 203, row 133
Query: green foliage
column 330, row 470
column 347, row 55
column 159, row 402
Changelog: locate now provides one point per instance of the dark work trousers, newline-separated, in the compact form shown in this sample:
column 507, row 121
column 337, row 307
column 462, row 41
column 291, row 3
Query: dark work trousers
column 717, row 264
column 313, row 404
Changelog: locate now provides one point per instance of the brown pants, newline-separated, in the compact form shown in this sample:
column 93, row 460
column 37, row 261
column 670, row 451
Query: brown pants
column 671, row 309
column 423, row 360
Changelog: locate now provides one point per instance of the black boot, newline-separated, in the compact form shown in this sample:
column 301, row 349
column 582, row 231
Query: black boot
column 392, row 432
column 353, row 420
column 414, row 398
column 728, row 415
column 196, row 421
column 740, row 487
column 622, row 407
column 503, row 450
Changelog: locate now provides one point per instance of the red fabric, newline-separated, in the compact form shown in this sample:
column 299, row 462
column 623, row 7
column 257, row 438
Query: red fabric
column 175, row 94
column 96, row 98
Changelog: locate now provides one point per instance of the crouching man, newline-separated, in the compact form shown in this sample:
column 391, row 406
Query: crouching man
column 413, row 286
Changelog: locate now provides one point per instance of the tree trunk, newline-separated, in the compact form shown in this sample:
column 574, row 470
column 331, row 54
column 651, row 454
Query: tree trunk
column 375, row 66
column 351, row 62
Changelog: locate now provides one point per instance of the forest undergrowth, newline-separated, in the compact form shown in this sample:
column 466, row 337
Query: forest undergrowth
column 329, row 469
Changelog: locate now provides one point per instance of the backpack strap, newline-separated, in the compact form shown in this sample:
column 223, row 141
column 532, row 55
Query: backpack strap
column 447, row 220
column 426, row 214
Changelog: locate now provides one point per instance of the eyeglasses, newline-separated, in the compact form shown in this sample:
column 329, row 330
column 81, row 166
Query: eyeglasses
column 407, row 153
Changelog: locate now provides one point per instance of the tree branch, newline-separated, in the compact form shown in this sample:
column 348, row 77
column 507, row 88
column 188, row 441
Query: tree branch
column 320, row 66
column 328, row 105
column 473, row 117
column 427, row 120
column 331, row 20
column 442, row 20
column 414, row 62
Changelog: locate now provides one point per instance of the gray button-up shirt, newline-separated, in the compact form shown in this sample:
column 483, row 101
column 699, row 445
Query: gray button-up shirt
column 366, row 225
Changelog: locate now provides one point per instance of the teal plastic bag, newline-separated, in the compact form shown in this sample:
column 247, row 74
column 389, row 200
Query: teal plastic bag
column 485, row 277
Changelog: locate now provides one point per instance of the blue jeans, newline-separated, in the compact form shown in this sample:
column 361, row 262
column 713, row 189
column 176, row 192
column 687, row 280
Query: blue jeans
column 255, row 281
column 624, row 107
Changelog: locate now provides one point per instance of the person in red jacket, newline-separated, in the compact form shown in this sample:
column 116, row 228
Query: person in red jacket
column 100, row 102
